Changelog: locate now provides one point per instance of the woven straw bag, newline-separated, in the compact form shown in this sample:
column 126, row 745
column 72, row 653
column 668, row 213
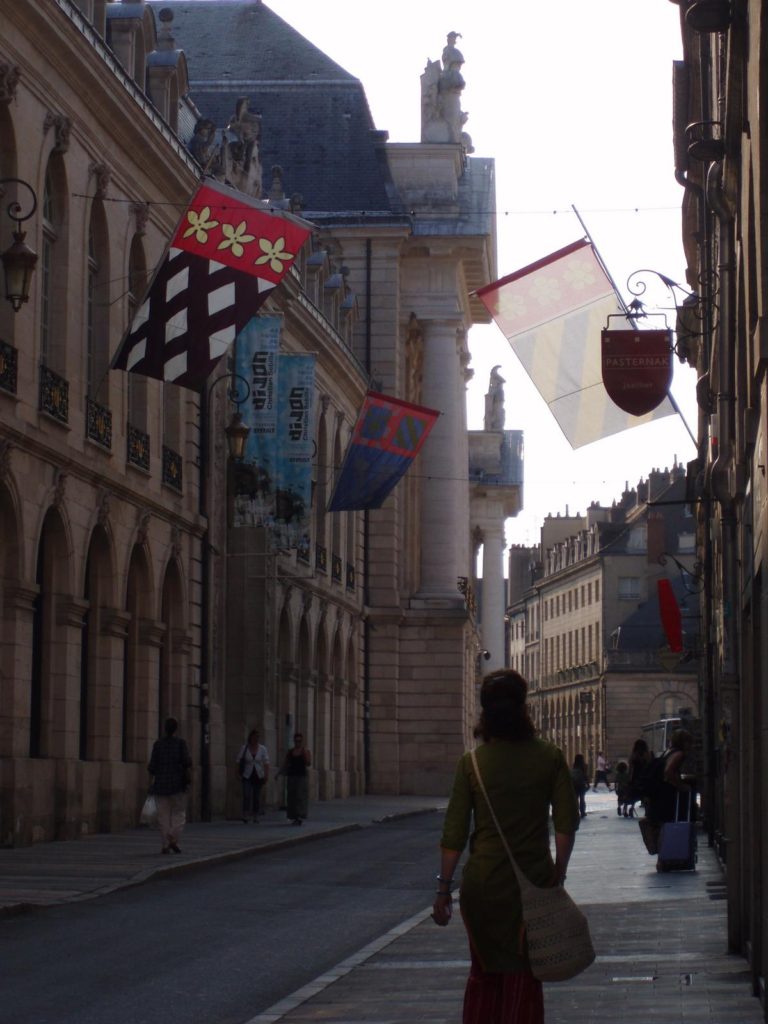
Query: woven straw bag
column 559, row 943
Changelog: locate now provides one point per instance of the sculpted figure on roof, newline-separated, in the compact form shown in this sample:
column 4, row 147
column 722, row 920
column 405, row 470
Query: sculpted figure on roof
column 442, row 119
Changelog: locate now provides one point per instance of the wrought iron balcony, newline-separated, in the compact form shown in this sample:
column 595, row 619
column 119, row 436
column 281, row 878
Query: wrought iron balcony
column 98, row 423
column 54, row 395
column 138, row 448
column 336, row 572
column 321, row 559
column 172, row 468
column 8, row 367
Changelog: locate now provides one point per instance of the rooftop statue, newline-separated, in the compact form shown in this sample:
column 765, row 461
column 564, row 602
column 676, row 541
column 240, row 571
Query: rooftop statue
column 442, row 119
column 494, row 401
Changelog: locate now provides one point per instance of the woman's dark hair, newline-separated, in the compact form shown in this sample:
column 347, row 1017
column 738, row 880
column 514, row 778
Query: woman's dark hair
column 504, row 715
column 578, row 762
column 171, row 725
column 640, row 748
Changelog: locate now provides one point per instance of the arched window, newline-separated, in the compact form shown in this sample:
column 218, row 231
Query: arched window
column 53, row 268
column 47, row 256
column 136, row 396
column 97, row 305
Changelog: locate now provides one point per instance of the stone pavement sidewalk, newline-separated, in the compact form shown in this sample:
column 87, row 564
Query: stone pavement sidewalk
column 63, row 872
column 660, row 940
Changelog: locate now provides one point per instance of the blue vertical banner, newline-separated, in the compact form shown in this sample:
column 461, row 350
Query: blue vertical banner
column 295, row 448
column 255, row 478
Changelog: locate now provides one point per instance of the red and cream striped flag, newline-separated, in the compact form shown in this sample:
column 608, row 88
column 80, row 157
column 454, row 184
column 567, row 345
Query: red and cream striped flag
column 552, row 313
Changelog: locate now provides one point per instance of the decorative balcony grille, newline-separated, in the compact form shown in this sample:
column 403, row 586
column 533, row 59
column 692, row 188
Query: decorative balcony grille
column 321, row 559
column 138, row 448
column 172, row 469
column 336, row 572
column 8, row 368
column 98, row 423
column 351, row 580
column 303, row 550
column 54, row 395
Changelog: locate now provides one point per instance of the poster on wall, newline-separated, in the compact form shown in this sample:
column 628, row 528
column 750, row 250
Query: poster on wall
column 295, row 449
column 255, row 477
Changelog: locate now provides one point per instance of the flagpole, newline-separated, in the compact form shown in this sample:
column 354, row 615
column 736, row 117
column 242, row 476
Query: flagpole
column 628, row 315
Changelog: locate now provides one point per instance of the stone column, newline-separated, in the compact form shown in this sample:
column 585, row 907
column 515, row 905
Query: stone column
column 443, row 467
column 493, row 595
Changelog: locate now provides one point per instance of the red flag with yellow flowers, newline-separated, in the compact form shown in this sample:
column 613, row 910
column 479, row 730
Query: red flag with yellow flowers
column 226, row 256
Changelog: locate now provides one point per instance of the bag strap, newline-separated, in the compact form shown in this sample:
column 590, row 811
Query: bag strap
column 521, row 878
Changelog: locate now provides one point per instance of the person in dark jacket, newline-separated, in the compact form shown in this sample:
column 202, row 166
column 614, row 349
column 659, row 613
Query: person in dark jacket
column 171, row 768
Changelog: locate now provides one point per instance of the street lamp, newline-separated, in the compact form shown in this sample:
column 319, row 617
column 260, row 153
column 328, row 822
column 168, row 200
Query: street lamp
column 18, row 259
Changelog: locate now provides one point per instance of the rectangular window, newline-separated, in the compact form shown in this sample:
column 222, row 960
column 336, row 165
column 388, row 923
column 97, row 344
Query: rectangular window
column 629, row 588
column 46, row 283
column 597, row 591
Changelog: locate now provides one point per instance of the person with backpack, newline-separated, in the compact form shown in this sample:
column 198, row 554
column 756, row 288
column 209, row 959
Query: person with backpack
column 666, row 784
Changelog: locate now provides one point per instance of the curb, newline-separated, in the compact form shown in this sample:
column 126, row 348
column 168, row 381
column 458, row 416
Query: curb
column 223, row 857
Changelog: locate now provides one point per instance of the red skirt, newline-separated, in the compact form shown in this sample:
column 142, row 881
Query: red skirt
column 502, row 997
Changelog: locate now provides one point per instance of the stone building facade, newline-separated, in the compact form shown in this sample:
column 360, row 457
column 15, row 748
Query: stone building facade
column 405, row 227
column 101, row 532
column 128, row 593
column 720, row 95
column 584, row 624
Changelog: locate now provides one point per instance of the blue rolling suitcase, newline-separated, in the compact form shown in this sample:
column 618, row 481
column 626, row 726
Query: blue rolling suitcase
column 677, row 842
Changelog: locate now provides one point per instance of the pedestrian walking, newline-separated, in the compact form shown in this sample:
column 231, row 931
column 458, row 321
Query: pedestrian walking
column 621, row 787
column 524, row 777
column 639, row 760
column 171, row 768
column 580, row 778
column 601, row 772
column 253, row 769
column 296, row 771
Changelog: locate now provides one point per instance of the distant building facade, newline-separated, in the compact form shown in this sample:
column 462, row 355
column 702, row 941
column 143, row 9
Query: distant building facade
column 584, row 623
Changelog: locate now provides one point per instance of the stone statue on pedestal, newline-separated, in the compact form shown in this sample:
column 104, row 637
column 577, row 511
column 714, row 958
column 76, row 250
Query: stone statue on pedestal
column 442, row 119
column 494, row 401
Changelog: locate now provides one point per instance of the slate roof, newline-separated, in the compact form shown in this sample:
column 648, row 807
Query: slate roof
column 316, row 123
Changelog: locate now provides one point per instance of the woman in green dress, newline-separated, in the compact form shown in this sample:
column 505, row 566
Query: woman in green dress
column 524, row 777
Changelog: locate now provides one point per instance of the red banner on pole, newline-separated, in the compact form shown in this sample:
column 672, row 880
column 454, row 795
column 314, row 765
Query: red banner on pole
column 637, row 368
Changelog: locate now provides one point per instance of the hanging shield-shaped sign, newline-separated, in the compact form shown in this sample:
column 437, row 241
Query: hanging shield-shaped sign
column 637, row 368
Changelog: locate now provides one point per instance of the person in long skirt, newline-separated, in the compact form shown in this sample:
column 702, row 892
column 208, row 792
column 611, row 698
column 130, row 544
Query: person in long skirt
column 296, row 771
column 524, row 777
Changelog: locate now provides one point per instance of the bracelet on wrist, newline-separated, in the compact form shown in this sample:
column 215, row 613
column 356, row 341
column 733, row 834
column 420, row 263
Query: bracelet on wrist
column 444, row 892
column 445, row 881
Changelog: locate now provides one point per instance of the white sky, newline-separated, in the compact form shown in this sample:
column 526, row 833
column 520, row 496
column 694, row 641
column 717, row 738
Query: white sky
column 574, row 102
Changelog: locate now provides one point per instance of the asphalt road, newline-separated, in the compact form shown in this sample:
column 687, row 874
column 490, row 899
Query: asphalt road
column 220, row 944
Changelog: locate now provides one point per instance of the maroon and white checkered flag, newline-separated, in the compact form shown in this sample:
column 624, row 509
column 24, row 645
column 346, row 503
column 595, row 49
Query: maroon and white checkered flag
column 227, row 255
column 191, row 315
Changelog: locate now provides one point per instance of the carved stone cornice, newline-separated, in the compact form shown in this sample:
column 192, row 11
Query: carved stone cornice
column 115, row 622
column 70, row 610
column 62, row 128
column 9, row 79
column 21, row 596
column 105, row 500
column 143, row 518
column 152, row 633
column 60, row 489
column 141, row 216
column 181, row 641
column 102, row 174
